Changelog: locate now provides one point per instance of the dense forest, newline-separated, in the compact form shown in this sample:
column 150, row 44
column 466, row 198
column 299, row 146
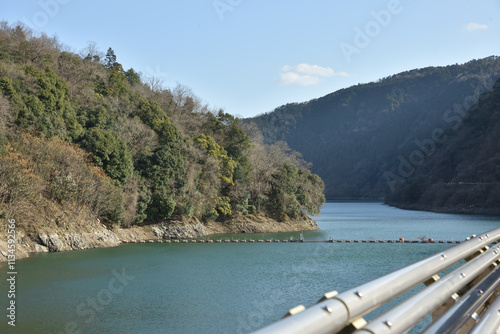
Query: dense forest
column 83, row 138
column 463, row 174
column 357, row 138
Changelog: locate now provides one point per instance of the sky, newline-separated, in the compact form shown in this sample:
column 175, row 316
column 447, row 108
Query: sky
column 249, row 57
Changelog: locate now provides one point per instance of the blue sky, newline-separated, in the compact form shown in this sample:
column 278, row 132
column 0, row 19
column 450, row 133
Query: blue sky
column 251, row 56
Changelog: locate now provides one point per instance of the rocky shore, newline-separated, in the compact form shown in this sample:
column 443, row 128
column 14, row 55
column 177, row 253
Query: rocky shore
column 96, row 235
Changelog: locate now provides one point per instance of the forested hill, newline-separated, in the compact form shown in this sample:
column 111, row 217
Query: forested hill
column 356, row 137
column 463, row 173
column 83, row 138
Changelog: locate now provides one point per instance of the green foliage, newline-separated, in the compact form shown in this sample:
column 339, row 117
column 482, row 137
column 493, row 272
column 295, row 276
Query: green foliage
column 110, row 60
column 133, row 77
column 213, row 149
column 109, row 152
column 294, row 189
column 167, row 168
column 222, row 206
column 225, row 128
column 44, row 107
column 153, row 155
column 97, row 118
column 162, row 206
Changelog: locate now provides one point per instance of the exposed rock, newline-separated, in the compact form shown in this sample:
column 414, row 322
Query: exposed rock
column 53, row 242
column 41, row 249
column 179, row 231
column 56, row 244
column 93, row 235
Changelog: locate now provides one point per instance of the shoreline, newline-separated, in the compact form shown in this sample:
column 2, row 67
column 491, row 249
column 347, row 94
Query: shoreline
column 457, row 209
column 96, row 235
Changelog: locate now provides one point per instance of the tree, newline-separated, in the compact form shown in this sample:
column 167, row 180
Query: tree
column 213, row 149
column 133, row 77
column 110, row 152
column 91, row 53
column 110, row 59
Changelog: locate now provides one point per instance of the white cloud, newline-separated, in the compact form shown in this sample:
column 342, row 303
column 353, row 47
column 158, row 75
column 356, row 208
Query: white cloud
column 475, row 26
column 306, row 74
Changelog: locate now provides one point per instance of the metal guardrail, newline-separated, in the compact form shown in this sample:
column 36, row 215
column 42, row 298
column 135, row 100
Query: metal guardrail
column 468, row 308
column 342, row 313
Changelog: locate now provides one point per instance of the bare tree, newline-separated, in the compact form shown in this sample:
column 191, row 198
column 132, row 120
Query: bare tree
column 91, row 52
column 154, row 83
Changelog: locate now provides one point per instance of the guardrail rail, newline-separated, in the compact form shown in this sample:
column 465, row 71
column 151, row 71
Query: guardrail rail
column 462, row 301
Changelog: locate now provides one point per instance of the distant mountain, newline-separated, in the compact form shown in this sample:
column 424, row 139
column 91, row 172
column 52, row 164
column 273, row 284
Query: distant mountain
column 358, row 138
column 463, row 172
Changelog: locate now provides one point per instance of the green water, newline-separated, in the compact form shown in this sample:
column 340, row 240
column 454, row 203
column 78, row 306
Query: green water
column 220, row 288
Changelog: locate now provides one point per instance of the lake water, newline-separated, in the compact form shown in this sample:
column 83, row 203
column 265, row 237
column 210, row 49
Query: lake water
column 221, row 287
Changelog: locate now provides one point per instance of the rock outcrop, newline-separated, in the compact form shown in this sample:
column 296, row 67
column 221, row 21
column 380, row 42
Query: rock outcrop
column 96, row 235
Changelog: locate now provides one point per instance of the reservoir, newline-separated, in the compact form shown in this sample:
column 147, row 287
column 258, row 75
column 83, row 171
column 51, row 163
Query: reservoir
column 222, row 287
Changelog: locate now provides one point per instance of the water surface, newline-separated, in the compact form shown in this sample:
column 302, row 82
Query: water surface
column 222, row 288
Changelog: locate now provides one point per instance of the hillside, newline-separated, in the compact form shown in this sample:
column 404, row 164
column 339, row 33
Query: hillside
column 463, row 174
column 356, row 137
column 84, row 140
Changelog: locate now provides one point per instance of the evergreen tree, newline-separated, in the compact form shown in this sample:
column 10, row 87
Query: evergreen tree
column 110, row 60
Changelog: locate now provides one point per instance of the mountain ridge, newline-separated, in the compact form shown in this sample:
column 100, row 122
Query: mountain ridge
column 354, row 136
column 460, row 174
